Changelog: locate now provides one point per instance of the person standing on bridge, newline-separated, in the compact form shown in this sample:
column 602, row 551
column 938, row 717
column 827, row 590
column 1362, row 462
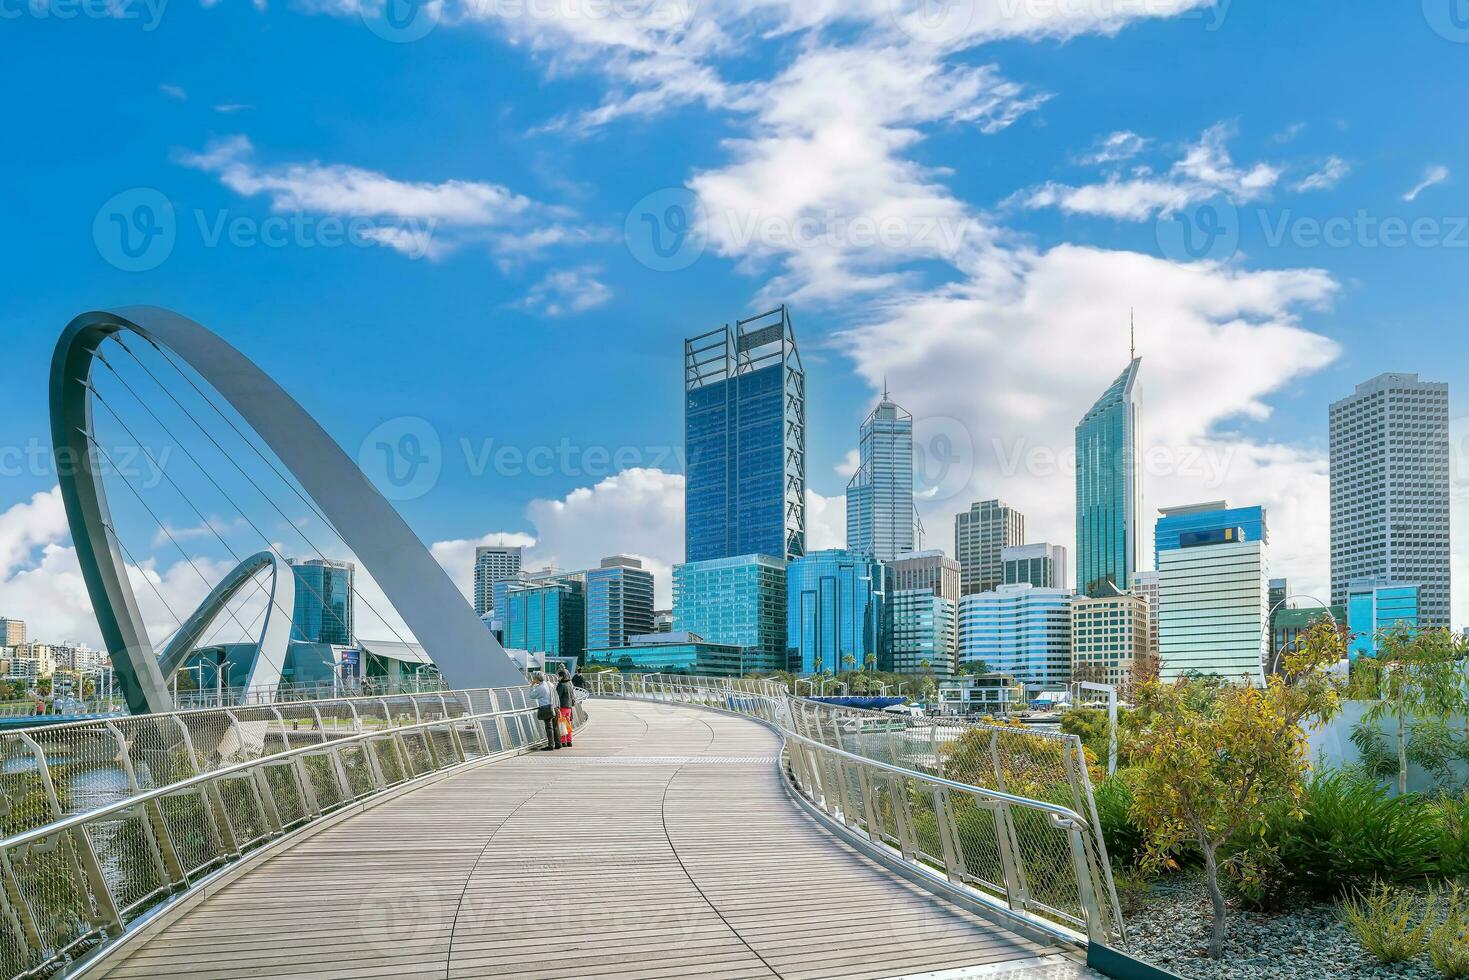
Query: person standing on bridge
column 566, row 699
column 545, row 694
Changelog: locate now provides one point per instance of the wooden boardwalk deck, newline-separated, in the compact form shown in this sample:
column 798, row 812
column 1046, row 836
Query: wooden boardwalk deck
column 662, row 846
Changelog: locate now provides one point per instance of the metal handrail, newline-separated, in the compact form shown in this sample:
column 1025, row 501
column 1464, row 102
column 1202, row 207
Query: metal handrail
column 79, row 880
column 915, row 816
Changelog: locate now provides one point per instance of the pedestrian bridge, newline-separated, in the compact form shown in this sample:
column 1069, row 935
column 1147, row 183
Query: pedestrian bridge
column 671, row 841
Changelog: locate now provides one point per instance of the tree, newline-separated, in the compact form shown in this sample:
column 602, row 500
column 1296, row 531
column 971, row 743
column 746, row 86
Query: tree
column 1416, row 676
column 1209, row 762
column 870, row 661
column 849, row 662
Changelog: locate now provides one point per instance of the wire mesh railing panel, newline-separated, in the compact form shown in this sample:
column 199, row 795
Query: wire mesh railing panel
column 55, row 894
column 129, row 859
column 322, row 774
column 1005, row 811
column 188, row 825
column 389, row 762
column 280, row 780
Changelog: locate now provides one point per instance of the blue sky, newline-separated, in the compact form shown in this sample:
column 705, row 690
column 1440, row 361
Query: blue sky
column 1033, row 164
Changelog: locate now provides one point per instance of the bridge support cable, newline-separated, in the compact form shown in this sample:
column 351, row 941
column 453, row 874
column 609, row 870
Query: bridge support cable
column 250, row 444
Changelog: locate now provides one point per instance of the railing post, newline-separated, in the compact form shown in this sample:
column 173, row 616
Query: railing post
column 105, row 914
column 869, row 809
column 943, row 812
column 1096, row 928
column 1012, row 862
column 268, row 814
column 160, row 842
column 210, row 797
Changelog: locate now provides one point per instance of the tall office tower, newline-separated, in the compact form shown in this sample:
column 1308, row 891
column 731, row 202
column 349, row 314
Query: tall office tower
column 1145, row 584
column 1189, row 524
column 493, row 564
column 1390, row 489
column 324, row 602
column 1109, row 487
column 548, row 617
column 1019, row 630
column 920, row 631
column 619, row 603
column 1042, row 565
column 1108, row 634
column 881, row 519
column 932, row 571
column 833, row 612
column 1213, row 598
column 745, row 441
column 987, row 528
column 739, row 601
column 12, row 632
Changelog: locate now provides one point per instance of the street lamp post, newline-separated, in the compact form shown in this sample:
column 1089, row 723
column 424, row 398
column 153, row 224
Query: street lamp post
column 1268, row 632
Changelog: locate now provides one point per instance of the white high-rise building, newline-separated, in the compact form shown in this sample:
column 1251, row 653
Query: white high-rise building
column 981, row 533
column 881, row 519
column 493, row 564
column 1390, row 489
column 1042, row 565
column 1145, row 584
column 1019, row 630
column 1213, row 601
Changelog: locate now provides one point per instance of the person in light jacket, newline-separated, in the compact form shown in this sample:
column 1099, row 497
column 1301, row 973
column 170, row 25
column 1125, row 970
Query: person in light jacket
column 566, row 701
column 544, row 693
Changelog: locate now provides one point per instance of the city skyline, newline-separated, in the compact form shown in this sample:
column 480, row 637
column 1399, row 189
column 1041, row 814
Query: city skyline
column 997, row 344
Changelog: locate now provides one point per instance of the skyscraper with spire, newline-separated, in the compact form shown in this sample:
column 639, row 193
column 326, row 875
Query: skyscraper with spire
column 1109, row 487
column 881, row 519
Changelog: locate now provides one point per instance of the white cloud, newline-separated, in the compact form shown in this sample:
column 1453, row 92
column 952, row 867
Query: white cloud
column 27, row 526
column 1115, row 147
column 1205, row 169
column 847, row 468
column 826, row 521
column 1433, row 176
column 174, row 92
column 420, row 219
column 566, row 291
column 1331, row 173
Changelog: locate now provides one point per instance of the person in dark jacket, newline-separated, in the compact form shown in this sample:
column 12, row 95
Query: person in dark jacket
column 566, row 698
column 577, row 680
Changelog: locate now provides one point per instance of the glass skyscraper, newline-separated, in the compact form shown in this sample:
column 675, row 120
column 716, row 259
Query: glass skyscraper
column 920, row 628
column 833, row 611
column 1390, row 489
column 493, row 564
column 1109, row 488
column 738, row 601
column 619, row 603
column 745, row 441
column 881, row 519
column 548, row 618
column 324, row 603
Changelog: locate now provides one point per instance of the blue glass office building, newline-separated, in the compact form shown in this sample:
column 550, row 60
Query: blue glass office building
column 1109, row 488
column 323, row 612
column 833, row 611
column 745, row 441
column 619, row 602
column 738, row 601
column 549, row 618
column 1375, row 607
column 1180, row 527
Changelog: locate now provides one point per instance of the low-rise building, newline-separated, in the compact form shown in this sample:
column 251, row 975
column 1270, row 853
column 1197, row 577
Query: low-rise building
column 672, row 653
column 980, row 694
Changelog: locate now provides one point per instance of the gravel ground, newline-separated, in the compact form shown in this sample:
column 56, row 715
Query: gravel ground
column 1171, row 930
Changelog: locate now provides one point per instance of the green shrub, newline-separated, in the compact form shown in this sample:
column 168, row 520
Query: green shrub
column 1448, row 943
column 1352, row 833
column 1125, row 840
column 1389, row 924
column 1452, row 815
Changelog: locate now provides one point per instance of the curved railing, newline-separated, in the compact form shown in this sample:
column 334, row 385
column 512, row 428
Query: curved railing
column 1006, row 814
column 105, row 820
